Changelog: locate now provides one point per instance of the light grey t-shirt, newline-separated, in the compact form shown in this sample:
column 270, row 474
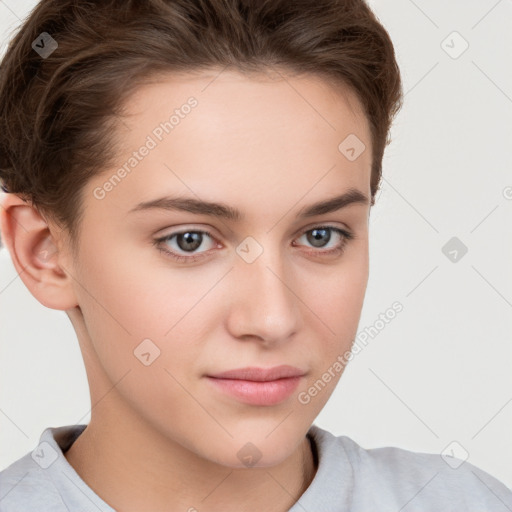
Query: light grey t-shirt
column 349, row 478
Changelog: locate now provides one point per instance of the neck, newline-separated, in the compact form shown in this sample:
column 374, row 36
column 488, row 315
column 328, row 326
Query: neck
column 131, row 470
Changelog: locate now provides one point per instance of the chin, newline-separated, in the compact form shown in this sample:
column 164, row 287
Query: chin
column 254, row 451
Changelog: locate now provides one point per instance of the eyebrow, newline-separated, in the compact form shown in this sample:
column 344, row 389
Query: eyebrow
column 224, row 211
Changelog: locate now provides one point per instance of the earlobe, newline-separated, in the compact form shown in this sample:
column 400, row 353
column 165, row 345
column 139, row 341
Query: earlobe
column 35, row 255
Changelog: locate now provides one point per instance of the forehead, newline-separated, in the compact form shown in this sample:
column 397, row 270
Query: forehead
column 246, row 96
column 228, row 134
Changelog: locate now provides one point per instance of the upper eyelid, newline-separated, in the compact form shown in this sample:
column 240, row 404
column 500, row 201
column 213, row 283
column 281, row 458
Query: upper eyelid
column 299, row 232
column 211, row 232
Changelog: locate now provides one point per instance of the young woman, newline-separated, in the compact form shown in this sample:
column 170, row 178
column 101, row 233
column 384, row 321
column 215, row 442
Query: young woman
column 191, row 182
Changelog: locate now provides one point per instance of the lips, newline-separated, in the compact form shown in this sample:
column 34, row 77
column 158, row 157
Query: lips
column 258, row 386
column 252, row 373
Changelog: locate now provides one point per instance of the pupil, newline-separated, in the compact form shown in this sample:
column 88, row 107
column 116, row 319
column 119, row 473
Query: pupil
column 317, row 234
column 192, row 241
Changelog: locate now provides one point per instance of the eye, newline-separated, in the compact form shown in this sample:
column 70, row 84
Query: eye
column 187, row 241
column 320, row 236
column 191, row 240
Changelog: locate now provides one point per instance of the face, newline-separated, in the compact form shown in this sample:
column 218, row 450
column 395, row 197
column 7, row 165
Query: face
column 170, row 296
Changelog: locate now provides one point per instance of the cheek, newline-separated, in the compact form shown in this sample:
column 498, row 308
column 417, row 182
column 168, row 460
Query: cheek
column 136, row 313
column 130, row 288
column 340, row 289
column 337, row 300
column 129, row 297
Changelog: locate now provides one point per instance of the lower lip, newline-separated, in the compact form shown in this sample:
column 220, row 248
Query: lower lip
column 258, row 393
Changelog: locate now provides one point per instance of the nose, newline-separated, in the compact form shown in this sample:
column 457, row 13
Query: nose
column 263, row 302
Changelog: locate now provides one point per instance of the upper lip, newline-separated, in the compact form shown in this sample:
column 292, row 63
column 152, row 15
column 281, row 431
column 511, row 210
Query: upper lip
column 260, row 374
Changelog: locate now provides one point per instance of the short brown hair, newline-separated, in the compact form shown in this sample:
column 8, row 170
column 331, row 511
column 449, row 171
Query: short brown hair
column 57, row 113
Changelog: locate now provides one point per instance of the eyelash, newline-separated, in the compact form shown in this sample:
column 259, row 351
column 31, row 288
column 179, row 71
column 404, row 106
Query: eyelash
column 338, row 250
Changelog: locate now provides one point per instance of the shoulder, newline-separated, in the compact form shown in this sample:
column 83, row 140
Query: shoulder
column 393, row 478
column 43, row 479
column 24, row 485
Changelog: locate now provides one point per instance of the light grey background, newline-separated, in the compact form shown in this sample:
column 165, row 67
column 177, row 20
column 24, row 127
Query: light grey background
column 441, row 370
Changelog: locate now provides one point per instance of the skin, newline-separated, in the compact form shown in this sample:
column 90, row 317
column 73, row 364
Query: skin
column 160, row 436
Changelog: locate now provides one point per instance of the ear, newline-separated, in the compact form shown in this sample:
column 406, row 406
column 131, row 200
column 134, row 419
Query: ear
column 35, row 253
